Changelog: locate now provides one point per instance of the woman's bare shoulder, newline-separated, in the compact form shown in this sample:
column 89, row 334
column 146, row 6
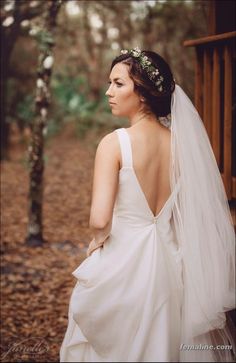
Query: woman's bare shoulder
column 109, row 144
column 110, row 140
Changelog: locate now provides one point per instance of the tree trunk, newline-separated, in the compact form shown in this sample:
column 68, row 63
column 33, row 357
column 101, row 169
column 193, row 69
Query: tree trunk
column 8, row 40
column 36, row 163
column 4, row 124
column 42, row 101
column 9, row 34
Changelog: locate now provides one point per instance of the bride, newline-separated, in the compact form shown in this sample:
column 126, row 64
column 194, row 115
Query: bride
column 160, row 271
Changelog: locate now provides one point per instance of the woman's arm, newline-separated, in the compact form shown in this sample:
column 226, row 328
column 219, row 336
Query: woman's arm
column 105, row 185
column 100, row 237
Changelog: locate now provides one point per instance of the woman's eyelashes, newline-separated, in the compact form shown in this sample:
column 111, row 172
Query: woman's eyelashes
column 116, row 82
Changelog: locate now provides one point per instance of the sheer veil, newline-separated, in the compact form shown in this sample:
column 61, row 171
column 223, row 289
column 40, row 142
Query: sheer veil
column 205, row 235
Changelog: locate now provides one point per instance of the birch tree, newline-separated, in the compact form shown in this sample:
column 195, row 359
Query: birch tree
column 44, row 35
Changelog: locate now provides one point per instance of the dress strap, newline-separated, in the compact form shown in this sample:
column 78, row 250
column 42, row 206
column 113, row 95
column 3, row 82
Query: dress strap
column 125, row 147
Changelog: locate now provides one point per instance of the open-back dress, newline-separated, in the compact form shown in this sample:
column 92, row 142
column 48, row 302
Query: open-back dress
column 126, row 305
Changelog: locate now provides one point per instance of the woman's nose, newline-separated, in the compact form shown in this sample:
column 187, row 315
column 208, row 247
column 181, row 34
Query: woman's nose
column 108, row 92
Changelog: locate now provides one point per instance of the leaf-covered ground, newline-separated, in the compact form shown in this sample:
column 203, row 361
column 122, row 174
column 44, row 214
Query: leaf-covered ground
column 36, row 283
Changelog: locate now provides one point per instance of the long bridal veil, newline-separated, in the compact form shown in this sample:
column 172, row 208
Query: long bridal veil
column 206, row 237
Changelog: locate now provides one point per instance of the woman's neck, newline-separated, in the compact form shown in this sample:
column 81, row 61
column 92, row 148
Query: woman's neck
column 141, row 117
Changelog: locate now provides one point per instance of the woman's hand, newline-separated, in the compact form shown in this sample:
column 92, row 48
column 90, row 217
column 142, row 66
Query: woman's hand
column 93, row 246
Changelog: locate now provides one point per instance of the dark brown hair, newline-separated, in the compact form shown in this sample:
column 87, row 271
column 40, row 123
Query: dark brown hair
column 159, row 103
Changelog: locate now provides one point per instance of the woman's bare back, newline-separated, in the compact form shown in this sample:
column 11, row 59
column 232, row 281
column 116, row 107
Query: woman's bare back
column 151, row 144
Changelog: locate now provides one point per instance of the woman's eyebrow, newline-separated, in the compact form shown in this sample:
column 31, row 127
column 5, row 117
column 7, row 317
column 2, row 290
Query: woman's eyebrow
column 116, row 79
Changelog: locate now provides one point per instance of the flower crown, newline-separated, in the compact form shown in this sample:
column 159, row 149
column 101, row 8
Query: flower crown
column 152, row 72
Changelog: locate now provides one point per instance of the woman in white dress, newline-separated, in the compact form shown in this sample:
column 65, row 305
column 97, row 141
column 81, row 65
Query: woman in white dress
column 159, row 272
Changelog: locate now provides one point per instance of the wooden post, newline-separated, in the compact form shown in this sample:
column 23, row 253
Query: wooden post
column 207, row 106
column 216, row 105
column 199, row 81
column 227, row 119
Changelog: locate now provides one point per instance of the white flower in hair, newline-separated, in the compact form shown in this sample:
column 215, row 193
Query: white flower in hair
column 136, row 52
column 151, row 70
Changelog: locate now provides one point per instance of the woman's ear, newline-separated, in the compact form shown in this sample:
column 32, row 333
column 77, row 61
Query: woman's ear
column 142, row 99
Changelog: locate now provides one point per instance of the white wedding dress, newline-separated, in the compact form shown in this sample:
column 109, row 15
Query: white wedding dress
column 126, row 305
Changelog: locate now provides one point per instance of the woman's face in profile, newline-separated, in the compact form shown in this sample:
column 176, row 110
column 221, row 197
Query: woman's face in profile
column 122, row 98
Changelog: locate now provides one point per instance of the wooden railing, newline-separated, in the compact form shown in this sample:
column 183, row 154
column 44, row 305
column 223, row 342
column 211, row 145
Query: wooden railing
column 214, row 98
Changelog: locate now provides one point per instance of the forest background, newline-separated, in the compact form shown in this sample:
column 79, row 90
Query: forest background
column 36, row 282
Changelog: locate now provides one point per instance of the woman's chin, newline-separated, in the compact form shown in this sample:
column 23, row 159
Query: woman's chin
column 115, row 112
column 118, row 113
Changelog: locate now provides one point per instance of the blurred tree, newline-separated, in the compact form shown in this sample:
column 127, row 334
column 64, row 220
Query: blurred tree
column 13, row 13
column 45, row 39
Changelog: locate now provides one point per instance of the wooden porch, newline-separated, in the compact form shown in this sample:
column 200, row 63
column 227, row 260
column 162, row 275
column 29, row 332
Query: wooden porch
column 215, row 99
